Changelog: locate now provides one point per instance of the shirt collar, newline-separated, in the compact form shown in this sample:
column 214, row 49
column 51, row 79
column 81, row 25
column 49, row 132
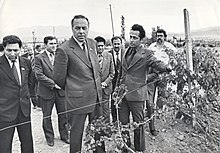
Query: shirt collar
column 10, row 62
column 79, row 43
column 48, row 53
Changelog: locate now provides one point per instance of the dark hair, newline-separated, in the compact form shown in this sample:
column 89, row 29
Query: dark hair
column 79, row 17
column 1, row 48
column 100, row 39
column 116, row 37
column 162, row 31
column 137, row 27
column 11, row 39
column 47, row 38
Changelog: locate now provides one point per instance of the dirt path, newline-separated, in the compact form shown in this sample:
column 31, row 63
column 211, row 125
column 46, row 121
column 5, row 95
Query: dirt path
column 172, row 138
column 40, row 145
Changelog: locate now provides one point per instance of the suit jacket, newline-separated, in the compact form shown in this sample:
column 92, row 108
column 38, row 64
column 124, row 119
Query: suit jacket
column 117, row 72
column 13, row 95
column 107, row 72
column 134, row 75
column 44, row 75
column 79, row 76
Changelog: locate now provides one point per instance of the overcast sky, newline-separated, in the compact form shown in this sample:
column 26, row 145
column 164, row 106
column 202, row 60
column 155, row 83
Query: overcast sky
column 166, row 13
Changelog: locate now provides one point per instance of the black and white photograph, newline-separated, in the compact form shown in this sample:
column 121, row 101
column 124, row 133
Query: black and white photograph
column 110, row 76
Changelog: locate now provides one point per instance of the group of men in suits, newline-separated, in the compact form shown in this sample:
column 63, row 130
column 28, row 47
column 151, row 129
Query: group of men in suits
column 78, row 77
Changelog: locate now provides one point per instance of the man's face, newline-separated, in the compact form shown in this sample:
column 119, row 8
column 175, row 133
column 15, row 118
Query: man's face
column 135, row 38
column 116, row 45
column 12, row 51
column 160, row 38
column 51, row 45
column 80, row 29
column 30, row 50
column 100, row 46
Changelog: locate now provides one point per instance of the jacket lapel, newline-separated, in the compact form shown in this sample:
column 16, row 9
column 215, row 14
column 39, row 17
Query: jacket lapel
column 47, row 60
column 136, row 57
column 6, row 68
column 124, row 63
column 23, row 67
column 77, row 50
column 104, row 62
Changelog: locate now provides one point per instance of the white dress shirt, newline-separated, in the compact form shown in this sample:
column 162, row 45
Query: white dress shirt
column 115, row 56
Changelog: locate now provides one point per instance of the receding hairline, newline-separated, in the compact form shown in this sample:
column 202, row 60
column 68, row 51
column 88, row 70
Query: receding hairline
column 79, row 17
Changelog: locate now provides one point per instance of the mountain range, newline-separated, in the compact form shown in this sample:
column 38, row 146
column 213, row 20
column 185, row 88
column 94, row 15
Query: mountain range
column 64, row 32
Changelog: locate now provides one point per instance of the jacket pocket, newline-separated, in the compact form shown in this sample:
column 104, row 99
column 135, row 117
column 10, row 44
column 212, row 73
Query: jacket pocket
column 75, row 94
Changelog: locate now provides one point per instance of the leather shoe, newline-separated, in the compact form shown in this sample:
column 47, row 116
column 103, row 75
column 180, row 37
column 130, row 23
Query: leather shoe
column 50, row 143
column 66, row 140
column 154, row 132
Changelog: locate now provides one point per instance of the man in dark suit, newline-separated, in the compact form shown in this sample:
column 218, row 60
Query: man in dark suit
column 77, row 70
column 117, row 54
column 31, row 54
column 107, row 74
column 15, row 80
column 135, row 64
column 50, row 93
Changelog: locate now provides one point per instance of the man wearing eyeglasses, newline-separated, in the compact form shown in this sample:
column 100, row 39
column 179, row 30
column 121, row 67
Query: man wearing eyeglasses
column 16, row 78
column 50, row 93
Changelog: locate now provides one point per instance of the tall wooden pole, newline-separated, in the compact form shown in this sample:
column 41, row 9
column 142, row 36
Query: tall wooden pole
column 34, row 40
column 188, row 41
column 112, row 20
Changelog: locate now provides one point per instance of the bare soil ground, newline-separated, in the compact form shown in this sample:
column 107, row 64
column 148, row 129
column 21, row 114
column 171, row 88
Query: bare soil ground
column 174, row 136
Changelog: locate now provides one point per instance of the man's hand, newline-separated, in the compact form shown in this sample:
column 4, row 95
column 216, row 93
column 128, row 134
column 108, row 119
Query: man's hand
column 57, row 87
column 104, row 85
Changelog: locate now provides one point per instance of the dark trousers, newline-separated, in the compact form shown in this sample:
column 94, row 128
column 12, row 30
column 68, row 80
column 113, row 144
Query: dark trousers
column 137, row 110
column 33, row 93
column 113, row 110
column 7, row 130
column 47, row 107
column 150, row 104
column 77, row 122
column 150, row 111
column 105, row 107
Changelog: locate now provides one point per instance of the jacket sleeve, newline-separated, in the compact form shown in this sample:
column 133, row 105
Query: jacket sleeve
column 60, row 67
column 41, row 77
column 112, row 71
column 31, row 79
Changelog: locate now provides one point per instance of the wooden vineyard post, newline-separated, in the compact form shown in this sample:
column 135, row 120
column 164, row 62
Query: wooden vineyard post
column 189, row 59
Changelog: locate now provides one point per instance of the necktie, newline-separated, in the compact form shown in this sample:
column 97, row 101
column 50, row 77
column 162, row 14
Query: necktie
column 118, row 62
column 100, row 57
column 32, row 62
column 85, row 50
column 130, row 55
column 52, row 58
column 15, row 72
